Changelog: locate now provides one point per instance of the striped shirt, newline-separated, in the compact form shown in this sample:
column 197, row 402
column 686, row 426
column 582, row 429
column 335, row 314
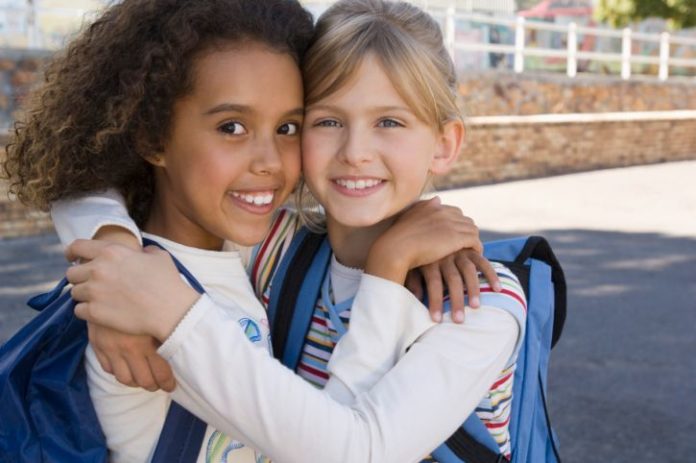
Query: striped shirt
column 493, row 410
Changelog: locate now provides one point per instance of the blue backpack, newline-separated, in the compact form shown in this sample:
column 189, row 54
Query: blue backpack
column 46, row 414
column 296, row 287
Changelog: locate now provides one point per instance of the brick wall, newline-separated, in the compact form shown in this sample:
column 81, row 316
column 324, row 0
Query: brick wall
column 496, row 152
column 502, row 94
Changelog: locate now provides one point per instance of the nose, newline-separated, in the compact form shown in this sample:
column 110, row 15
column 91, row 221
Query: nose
column 266, row 157
column 356, row 147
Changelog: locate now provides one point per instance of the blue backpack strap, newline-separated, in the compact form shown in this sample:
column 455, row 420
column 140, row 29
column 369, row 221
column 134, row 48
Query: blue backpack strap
column 182, row 435
column 471, row 443
column 537, row 247
column 278, row 281
column 294, row 292
column 516, row 252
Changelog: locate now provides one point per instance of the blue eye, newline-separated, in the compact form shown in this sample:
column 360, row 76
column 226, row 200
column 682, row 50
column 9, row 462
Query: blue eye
column 328, row 123
column 389, row 124
column 232, row 128
column 291, row 128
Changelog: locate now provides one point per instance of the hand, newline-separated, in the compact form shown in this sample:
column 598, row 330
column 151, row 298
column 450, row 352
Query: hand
column 131, row 291
column 425, row 233
column 459, row 271
column 133, row 360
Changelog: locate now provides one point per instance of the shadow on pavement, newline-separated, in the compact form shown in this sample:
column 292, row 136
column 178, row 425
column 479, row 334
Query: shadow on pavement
column 623, row 376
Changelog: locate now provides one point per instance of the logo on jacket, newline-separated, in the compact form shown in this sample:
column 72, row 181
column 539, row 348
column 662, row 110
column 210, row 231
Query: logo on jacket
column 251, row 329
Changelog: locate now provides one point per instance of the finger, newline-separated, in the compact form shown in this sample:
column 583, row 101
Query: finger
column 81, row 292
column 79, row 273
column 433, row 285
column 162, row 372
column 84, row 249
column 89, row 312
column 489, row 273
column 455, row 288
column 82, row 311
column 478, row 245
column 414, row 283
column 139, row 368
column 468, row 271
column 102, row 355
column 474, row 238
column 103, row 360
column 122, row 372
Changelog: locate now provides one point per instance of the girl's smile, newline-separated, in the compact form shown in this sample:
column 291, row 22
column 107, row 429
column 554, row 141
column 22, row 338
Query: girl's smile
column 358, row 186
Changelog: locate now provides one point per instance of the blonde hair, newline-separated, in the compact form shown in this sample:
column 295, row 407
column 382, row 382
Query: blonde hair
column 408, row 43
column 406, row 40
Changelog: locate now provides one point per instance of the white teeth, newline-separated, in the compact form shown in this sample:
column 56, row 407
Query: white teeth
column 359, row 184
column 255, row 199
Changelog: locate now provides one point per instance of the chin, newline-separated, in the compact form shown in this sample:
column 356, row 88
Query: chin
column 358, row 221
column 248, row 237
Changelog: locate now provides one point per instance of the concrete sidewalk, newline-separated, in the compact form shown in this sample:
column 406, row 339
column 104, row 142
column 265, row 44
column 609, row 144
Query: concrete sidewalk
column 645, row 199
column 623, row 376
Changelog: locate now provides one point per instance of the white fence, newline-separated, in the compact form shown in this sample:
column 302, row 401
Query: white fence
column 634, row 53
column 664, row 58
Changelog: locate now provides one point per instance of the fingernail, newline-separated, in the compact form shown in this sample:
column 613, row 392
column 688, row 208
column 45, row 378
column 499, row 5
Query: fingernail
column 459, row 316
column 437, row 316
column 497, row 287
column 474, row 302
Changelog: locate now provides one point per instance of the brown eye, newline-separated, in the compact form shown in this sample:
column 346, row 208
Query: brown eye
column 233, row 128
column 291, row 128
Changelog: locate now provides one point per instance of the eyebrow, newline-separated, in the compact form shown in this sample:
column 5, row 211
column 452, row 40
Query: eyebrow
column 372, row 108
column 228, row 107
column 239, row 108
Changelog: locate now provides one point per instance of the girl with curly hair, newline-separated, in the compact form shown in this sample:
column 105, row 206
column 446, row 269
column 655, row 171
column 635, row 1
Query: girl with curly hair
column 209, row 166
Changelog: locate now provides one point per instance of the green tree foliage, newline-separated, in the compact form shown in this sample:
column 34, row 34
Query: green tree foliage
column 619, row 13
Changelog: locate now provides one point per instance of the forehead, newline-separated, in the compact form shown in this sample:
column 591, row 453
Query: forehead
column 248, row 74
column 370, row 81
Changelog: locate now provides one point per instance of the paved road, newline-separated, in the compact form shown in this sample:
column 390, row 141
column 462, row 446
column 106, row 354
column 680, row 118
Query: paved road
column 623, row 376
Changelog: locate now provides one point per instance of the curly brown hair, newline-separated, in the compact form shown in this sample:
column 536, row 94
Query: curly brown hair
column 107, row 99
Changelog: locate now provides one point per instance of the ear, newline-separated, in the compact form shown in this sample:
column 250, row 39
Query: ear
column 448, row 147
column 149, row 151
column 156, row 159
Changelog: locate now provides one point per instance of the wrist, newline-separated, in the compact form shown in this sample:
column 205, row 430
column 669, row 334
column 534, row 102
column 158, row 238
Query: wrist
column 163, row 322
column 118, row 234
column 384, row 264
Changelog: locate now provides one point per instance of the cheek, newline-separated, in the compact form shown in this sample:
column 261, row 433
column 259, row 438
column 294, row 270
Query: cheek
column 317, row 152
column 292, row 164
